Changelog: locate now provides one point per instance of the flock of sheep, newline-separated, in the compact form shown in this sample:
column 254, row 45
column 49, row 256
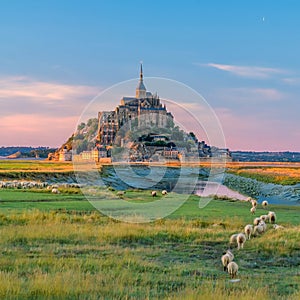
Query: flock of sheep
column 259, row 227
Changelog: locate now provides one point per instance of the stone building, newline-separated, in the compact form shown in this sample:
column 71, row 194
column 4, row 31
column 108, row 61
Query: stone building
column 145, row 110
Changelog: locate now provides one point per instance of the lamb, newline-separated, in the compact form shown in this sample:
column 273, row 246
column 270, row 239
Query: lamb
column 233, row 239
column 241, row 239
column 248, row 231
column 253, row 210
column 272, row 217
column 264, row 203
column 226, row 259
column 153, row 193
column 164, row 192
column 232, row 269
column 256, row 221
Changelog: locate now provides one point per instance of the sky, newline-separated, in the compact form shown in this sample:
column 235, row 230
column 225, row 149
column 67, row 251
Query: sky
column 241, row 56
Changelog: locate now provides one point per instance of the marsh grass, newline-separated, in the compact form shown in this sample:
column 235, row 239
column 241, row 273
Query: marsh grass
column 69, row 254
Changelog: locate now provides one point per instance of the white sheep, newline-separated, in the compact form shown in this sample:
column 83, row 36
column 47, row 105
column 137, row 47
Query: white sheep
column 256, row 221
column 226, row 259
column 253, row 210
column 120, row 193
column 272, row 217
column 254, row 203
column 153, row 193
column 240, row 239
column 249, row 199
column 232, row 269
column 55, row 191
column 264, row 225
column 259, row 229
column 275, row 226
column 264, row 218
column 232, row 239
column 164, row 192
column 248, row 231
column 264, row 203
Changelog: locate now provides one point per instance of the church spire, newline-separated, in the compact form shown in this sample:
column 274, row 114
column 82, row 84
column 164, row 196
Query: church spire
column 141, row 72
column 140, row 91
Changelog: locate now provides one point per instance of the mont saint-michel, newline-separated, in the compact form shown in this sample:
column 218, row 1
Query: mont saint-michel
column 139, row 129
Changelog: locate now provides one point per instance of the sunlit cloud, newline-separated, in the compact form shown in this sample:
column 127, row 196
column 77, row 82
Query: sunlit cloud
column 292, row 81
column 24, row 87
column 247, row 71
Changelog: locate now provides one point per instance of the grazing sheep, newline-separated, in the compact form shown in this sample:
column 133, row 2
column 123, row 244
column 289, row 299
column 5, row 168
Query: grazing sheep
column 254, row 203
column 264, row 218
column 256, row 221
column 275, row 226
column 263, row 224
column 232, row 269
column 232, row 239
column 264, row 203
column 258, row 230
column 253, row 210
column 153, row 193
column 226, row 259
column 272, row 217
column 241, row 239
column 248, row 231
column 120, row 193
column 164, row 192
column 55, row 191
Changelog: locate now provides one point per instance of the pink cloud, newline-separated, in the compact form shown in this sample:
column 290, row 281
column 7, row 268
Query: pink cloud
column 36, row 130
column 25, row 87
column 254, row 94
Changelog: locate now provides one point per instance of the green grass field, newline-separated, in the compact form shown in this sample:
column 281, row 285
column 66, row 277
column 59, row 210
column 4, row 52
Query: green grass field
column 60, row 247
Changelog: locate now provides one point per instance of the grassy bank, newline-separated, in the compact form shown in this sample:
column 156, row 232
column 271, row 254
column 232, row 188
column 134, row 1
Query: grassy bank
column 279, row 175
column 59, row 247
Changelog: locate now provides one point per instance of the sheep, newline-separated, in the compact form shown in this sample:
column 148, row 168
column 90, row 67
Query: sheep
column 259, row 229
column 264, row 225
column 264, row 218
column 275, row 226
column 232, row 239
column 249, row 199
column 232, row 269
column 264, row 203
column 254, row 203
column 272, row 217
column 248, row 231
column 256, row 221
column 55, row 191
column 120, row 193
column 164, row 192
column 253, row 210
column 226, row 259
column 153, row 193
column 240, row 239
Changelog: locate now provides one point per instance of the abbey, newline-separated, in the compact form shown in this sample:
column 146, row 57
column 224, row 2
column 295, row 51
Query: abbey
column 145, row 109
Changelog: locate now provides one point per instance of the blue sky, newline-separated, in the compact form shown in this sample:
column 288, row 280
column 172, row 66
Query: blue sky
column 242, row 56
